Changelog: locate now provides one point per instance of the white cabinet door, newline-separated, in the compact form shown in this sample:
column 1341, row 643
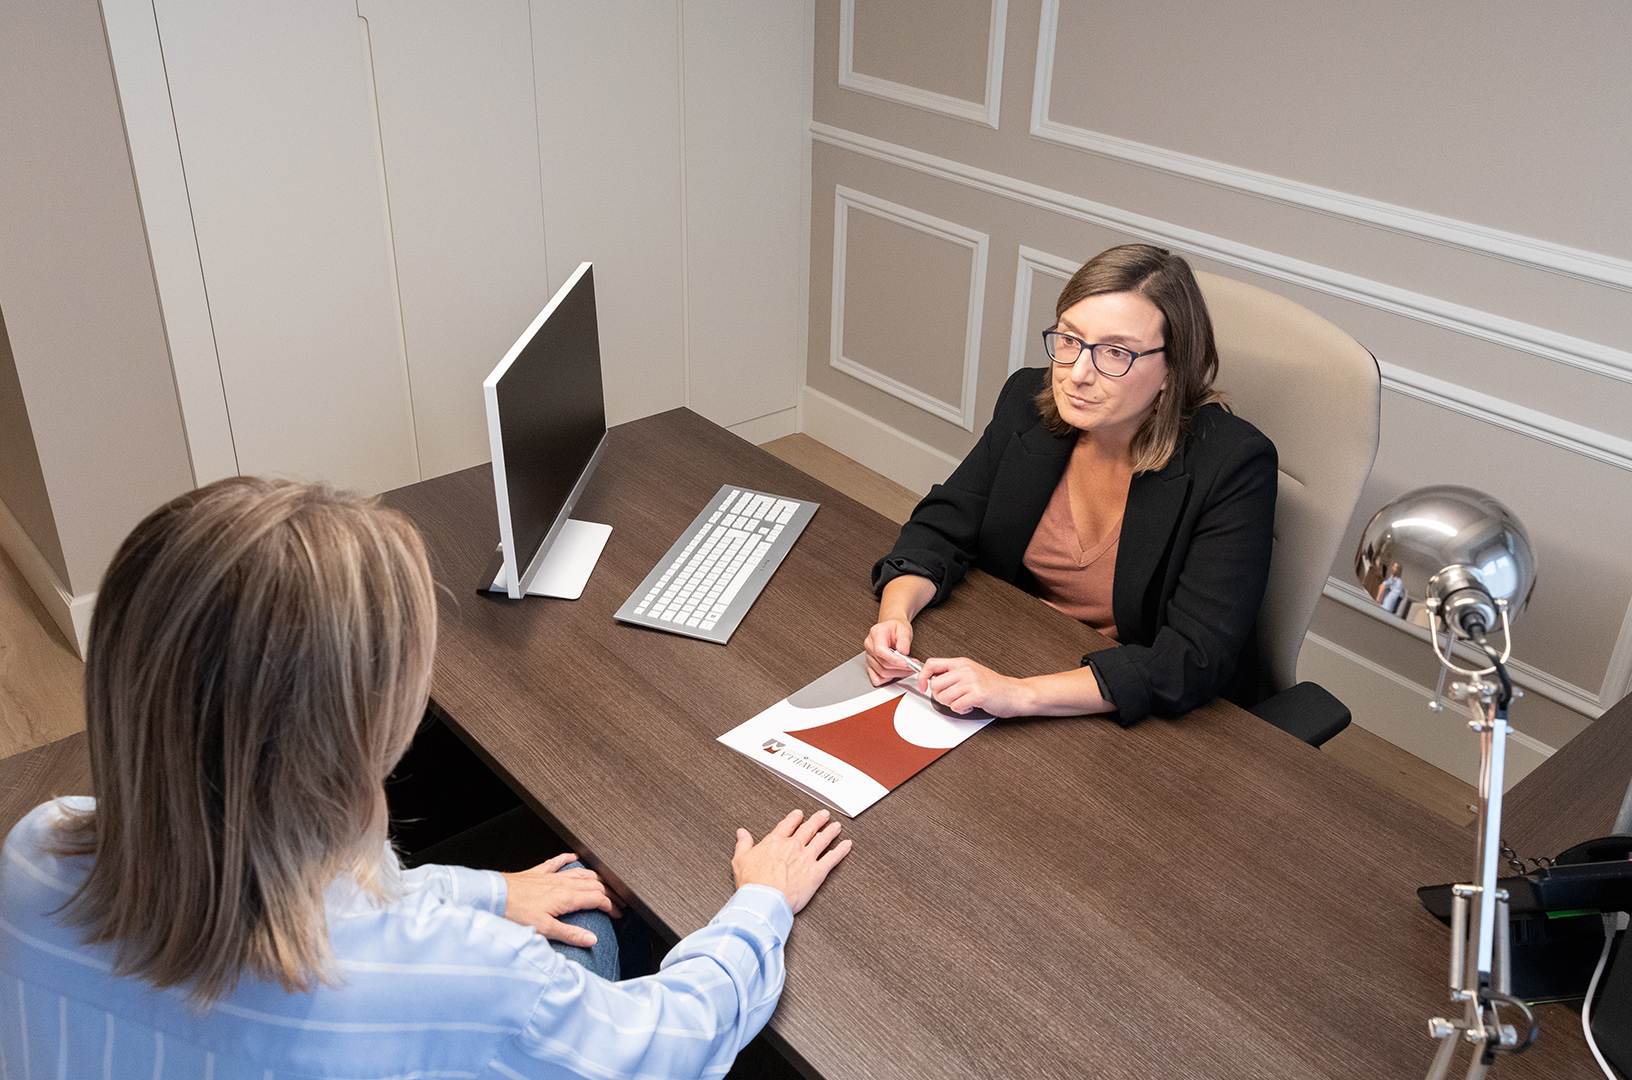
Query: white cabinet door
column 609, row 114
column 459, row 127
column 274, row 118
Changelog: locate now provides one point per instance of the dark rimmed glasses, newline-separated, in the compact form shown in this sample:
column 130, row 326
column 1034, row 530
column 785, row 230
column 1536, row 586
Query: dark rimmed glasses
column 1112, row 360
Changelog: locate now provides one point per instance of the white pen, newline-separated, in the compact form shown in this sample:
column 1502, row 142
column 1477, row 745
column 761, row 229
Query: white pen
column 907, row 660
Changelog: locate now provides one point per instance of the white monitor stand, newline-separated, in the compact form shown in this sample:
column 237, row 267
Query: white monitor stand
column 566, row 566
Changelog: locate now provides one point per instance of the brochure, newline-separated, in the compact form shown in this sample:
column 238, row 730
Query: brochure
column 849, row 743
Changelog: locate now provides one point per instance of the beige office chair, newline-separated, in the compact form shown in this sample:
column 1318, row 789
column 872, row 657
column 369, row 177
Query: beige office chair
column 1316, row 393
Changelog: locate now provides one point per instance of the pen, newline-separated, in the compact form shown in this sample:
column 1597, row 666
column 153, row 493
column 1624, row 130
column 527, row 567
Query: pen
column 907, row 660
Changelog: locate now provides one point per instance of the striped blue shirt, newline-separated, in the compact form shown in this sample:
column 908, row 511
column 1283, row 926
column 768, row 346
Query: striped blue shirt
column 435, row 984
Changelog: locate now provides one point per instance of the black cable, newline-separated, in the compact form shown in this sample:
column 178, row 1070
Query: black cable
column 1504, row 696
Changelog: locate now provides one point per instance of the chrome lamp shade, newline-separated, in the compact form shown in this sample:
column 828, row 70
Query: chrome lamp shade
column 1450, row 548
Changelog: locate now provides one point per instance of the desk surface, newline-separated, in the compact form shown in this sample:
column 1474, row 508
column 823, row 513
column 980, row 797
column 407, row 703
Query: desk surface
column 1575, row 794
column 1197, row 898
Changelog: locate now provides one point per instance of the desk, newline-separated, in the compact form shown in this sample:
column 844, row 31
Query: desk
column 1206, row 897
column 1575, row 794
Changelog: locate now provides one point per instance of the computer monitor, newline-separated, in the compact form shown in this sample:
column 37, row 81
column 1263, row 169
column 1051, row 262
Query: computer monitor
column 546, row 421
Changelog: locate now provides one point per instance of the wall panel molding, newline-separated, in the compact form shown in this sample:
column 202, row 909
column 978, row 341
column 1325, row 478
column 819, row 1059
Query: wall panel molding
column 1485, row 326
column 1585, row 702
column 978, row 112
column 1544, row 427
column 1032, row 262
column 888, row 451
column 1527, row 251
column 845, row 199
column 1388, row 704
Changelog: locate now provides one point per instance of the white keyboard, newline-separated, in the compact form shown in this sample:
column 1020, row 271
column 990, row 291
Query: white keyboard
column 713, row 574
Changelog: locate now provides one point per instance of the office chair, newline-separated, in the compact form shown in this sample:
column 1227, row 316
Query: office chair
column 1316, row 392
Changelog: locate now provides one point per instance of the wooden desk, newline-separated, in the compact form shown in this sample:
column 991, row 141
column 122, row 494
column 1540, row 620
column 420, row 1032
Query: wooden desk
column 1575, row 794
column 1199, row 898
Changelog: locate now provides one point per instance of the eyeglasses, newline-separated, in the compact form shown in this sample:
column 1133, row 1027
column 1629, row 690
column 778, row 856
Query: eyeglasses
column 1112, row 360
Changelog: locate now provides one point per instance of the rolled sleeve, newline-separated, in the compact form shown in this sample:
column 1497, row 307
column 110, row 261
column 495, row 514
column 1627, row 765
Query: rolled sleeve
column 483, row 890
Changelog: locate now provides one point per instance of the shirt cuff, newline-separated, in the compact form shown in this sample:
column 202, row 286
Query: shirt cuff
column 765, row 903
column 1122, row 678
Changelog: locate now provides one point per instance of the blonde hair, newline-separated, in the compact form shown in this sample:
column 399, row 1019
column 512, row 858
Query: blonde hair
column 259, row 657
column 1165, row 280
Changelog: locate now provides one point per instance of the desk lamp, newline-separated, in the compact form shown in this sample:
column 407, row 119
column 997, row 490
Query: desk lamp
column 1458, row 563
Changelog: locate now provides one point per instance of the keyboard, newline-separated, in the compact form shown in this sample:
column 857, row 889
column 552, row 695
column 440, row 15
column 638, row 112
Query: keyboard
column 713, row 574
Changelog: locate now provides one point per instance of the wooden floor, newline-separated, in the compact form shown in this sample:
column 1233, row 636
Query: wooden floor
column 41, row 678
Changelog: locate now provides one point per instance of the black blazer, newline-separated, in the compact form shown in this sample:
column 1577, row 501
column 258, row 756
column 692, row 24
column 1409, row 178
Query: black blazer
column 1190, row 566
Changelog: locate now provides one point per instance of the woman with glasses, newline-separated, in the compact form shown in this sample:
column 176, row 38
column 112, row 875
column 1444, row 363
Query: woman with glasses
column 1116, row 486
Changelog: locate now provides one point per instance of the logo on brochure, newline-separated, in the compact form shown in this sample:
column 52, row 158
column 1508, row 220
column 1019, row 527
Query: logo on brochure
column 773, row 745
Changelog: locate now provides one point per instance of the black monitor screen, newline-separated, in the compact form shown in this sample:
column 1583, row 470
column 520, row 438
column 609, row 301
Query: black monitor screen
column 552, row 414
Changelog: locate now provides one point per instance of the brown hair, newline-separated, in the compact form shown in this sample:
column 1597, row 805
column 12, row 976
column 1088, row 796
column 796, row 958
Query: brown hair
column 1165, row 280
column 259, row 657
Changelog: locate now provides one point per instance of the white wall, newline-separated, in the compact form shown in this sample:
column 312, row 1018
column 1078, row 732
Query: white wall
column 382, row 195
column 88, row 365
column 280, row 146
column 294, row 243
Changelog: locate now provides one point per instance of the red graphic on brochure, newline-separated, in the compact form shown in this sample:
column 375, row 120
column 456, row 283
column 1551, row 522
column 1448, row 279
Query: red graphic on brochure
column 850, row 743
column 868, row 741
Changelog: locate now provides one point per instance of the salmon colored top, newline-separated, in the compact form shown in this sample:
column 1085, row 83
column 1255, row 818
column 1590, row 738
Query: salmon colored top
column 1075, row 581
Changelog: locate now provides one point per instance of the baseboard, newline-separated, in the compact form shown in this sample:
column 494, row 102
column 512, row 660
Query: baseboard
column 763, row 429
column 1387, row 704
column 910, row 462
column 71, row 613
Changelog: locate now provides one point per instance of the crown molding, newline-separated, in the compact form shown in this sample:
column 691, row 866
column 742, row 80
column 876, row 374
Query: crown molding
column 1589, row 266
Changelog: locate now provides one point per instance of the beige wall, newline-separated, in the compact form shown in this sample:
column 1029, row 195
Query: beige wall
column 76, row 286
column 1447, row 185
column 22, row 484
column 1488, row 112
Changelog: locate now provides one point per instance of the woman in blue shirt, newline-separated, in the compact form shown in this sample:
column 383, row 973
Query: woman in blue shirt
column 228, row 905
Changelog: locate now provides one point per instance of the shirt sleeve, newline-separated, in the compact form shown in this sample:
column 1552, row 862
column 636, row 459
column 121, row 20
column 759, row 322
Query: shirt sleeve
column 483, row 890
column 715, row 991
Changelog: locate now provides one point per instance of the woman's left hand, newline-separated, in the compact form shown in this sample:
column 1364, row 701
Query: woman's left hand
column 961, row 685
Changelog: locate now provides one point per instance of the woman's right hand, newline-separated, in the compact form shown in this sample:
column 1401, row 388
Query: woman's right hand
column 886, row 642
column 538, row 896
column 891, row 637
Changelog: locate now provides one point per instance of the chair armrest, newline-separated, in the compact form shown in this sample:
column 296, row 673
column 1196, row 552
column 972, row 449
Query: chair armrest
column 1306, row 710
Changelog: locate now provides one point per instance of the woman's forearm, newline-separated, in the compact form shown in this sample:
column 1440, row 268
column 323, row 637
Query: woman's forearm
column 1065, row 693
column 904, row 597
